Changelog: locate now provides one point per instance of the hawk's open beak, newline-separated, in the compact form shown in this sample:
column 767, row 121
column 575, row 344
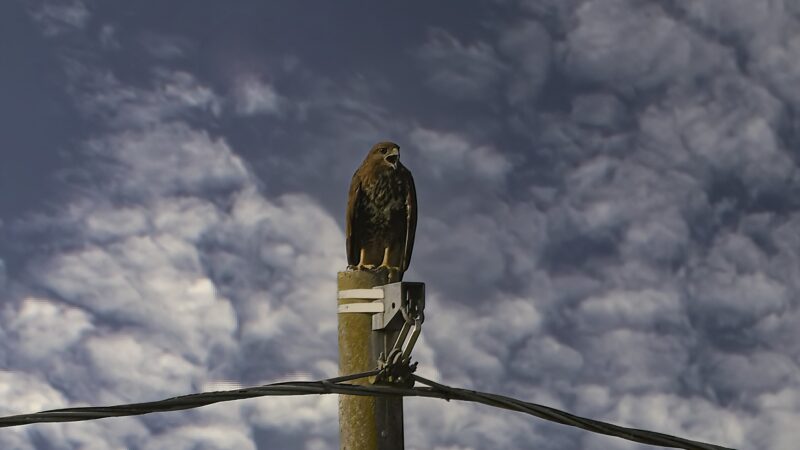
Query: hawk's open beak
column 392, row 157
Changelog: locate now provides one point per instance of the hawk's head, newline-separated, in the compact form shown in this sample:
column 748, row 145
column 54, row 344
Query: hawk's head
column 385, row 153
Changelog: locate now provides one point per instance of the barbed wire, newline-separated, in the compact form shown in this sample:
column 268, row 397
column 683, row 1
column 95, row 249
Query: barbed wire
column 338, row 385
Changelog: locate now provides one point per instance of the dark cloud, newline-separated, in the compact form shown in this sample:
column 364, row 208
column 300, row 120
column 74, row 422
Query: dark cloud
column 608, row 220
column 462, row 71
column 58, row 18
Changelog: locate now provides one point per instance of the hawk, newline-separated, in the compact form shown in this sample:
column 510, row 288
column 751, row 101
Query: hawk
column 381, row 212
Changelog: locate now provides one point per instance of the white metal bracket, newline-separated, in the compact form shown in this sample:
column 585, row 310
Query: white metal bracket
column 388, row 302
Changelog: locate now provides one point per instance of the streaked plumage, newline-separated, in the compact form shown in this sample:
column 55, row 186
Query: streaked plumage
column 381, row 212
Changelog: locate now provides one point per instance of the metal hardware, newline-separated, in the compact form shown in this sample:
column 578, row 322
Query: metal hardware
column 370, row 308
column 362, row 293
column 397, row 310
column 403, row 299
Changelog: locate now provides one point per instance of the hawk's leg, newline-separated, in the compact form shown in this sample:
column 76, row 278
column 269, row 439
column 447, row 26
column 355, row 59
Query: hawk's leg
column 385, row 263
column 361, row 264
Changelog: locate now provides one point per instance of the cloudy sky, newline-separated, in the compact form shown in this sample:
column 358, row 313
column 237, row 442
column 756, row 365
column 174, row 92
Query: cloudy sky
column 609, row 213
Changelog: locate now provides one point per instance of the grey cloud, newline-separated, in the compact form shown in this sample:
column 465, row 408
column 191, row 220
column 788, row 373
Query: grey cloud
column 600, row 208
column 497, row 244
column 527, row 46
column 462, row 71
column 624, row 246
column 3, row 274
column 27, row 391
column 273, row 301
column 694, row 418
column 43, row 328
column 545, row 354
column 465, row 426
column 733, row 141
column 641, row 310
column 734, row 18
column 763, row 33
column 557, row 14
column 742, row 377
column 207, row 436
column 172, row 93
column 625, row 44
column 481, row 344
column 777, row 64
column 138, row 365
column 634, row 361
column 150, row 309
column 779, row 432
column 728, row 295
column 635, row 206
column 726, row 142
column 312, row 422
column 166, row 47
column 449, row 154
column 108, row 37
column 253, row 96
column 598, row 110
column 167, row 153
column 60, row 18
column 24, row 391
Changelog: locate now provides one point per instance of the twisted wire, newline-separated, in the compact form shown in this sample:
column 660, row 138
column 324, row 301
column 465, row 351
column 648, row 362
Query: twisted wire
column 338, row 385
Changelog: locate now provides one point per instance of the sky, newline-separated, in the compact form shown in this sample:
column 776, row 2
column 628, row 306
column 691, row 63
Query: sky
column 608, row 213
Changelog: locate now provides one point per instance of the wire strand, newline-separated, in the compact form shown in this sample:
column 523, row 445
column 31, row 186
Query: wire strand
column 564, row 418
column 338, row 386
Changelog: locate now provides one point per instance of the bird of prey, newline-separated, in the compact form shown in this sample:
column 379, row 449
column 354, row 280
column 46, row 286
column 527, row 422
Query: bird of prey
column 381, row 212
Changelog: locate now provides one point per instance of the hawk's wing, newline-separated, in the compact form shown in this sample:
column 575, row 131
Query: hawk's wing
column 353, row 232
column 411, row 218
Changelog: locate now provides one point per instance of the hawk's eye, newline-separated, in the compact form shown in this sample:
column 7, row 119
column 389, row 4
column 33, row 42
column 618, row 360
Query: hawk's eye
column 383, row 150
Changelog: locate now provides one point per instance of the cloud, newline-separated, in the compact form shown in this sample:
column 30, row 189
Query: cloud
column 27, row 391
column 3, row 275
column 208, row 436
column 108, row 37
column 57, row 19
column 598, row 110
column 527, row 47
column 556, row 14
column 182, row 273
column 461, row 71
column 633, row 310
column 253, row 96
column 166, row 154
column 765, row 35
column 624, row 45
column 24, row 391
column 44, row 328
column 463, row 425
column 166, row 47
column 450, row 154
column 172, row 94
column 661, row 262
column 617, row 239
column 692, row 418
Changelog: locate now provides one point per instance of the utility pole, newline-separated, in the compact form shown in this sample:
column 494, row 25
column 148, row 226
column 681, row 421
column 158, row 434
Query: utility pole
column 365, row 423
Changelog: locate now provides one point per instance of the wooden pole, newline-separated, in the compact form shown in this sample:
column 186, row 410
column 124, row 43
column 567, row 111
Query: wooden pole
column 365, row 423
column 388, row 410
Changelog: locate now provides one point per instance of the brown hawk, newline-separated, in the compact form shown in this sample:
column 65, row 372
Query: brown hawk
column 381, row 212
